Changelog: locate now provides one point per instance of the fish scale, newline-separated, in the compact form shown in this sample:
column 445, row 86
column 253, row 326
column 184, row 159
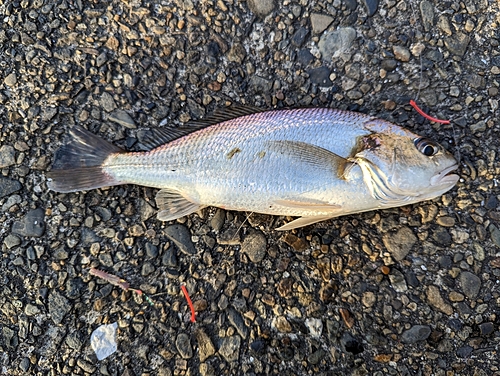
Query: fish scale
column 312, row 163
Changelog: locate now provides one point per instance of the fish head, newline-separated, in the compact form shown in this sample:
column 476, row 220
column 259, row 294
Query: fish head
column 405, row 167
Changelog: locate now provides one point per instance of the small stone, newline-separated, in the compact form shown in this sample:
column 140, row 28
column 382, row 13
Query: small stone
column 255, row 246
column 304, row 57
column 456, row 297
column 261, row 7
column 495, row 234
column 315, row 327
column 320, row 22
column 446, row 221
column 260, row 84
column 320, row 76
column 298, row 244
column 230, row 348
column 457, row 44
column 33, row 224
column 399, row 244
column 10, row 80
column 107, row 102
column 427, row 12
column 181, row 237
column 183, row 345
column 11, row 241
column 416, row 333
column 368, row 299
column 282, row 325
column 8, row 186
column 24, row 365
column 389, row 64
column 59, row 306
column 486, row 328
column 471, row 284
column 401, row 53
column 335, row 43
column 435, row 299
column 371, row 6
column 205, row 346
column 299, row 37
column 122, row 118
column 7, row 156
column 237, row 321
column 398, row 281
column 31, row 310
column 464, row 351
column 237, row 53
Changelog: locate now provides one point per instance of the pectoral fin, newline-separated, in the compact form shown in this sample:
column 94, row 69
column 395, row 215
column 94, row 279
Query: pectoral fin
column 313, row 156
column 173, row 205
column 303, row 221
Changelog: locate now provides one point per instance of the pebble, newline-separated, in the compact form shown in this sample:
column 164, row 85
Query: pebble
column 205, row 346
column 471, row 284
column 33, row 224
column 7, row 156
column 299, row 36
column 183, row 345
column 107, row 102
column 435, row 299
column 398, row 281
column 334, row 43
column 495, row 234
column 11, row 79
column 371, row 6
column 230, row 348
column 304, row 57
column 320, row 22
column 427, row 12
column 486, row 328
column 11, row 241
column 464, row 351
column 320, row 76
column 401, row 53
column 457, row 44
column 261, row 8
column 236, row 320
column 8, row 186
column 315, row 327
column 254, row 246
column 58, row 307
column 399, row 244
column 122, row 118
column 416, row 333
column 181, row 237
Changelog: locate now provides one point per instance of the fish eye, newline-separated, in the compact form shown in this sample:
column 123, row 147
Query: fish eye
column 426, row 147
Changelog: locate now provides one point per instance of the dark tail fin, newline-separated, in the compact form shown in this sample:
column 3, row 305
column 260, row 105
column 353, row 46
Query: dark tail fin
column 78, row 164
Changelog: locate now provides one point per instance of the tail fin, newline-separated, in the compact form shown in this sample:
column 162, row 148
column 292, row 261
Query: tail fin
column 78, row 164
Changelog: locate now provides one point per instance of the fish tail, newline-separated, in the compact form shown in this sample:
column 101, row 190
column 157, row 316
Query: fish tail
column 78, row 165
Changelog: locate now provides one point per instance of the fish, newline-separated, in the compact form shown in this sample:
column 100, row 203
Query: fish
column 311, row 163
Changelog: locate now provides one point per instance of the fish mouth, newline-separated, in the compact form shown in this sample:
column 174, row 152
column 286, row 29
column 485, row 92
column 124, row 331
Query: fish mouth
column 445, row 177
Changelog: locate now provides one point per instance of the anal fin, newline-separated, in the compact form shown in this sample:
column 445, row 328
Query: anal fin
column 173, row 205
column 303, row 221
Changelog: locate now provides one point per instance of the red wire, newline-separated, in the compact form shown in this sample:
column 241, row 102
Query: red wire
column 428, row 117
column 190, row 303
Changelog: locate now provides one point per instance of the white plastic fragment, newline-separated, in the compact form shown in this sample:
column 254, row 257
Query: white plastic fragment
column 103, row 340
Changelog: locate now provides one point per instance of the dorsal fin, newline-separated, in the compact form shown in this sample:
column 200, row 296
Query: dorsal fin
column 154, row 137
column 225, row 114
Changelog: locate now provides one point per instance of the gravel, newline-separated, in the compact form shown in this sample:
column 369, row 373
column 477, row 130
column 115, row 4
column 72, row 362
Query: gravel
column 410, row 290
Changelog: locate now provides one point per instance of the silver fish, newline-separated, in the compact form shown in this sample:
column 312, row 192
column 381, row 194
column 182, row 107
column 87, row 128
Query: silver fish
column 313, row 163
